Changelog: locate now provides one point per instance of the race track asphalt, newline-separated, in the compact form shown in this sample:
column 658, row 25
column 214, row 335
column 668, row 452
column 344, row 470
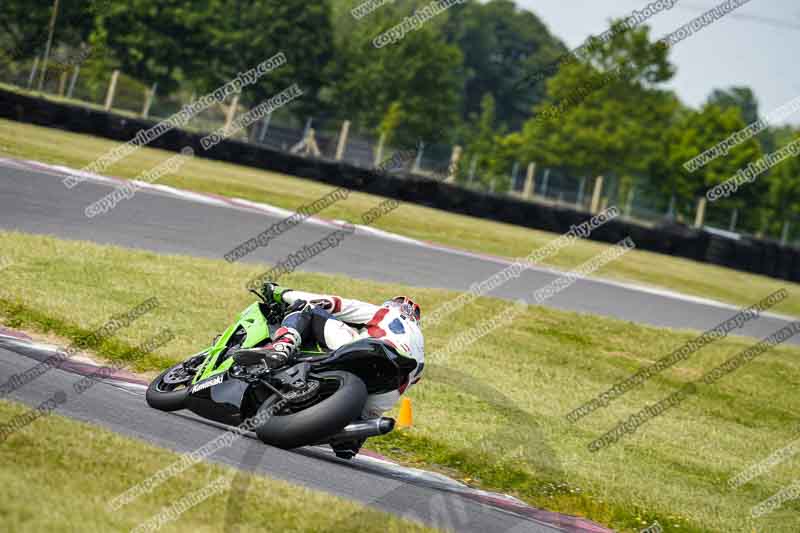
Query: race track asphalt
column 35, row 201
column 123, row 410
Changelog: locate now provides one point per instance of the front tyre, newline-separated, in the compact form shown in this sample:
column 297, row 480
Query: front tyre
column 339, row 400
column 170, row 389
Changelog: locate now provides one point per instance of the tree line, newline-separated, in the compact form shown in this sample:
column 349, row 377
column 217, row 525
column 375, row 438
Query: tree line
column 462, row 72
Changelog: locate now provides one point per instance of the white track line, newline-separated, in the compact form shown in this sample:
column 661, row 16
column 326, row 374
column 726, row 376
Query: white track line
column 257, row 207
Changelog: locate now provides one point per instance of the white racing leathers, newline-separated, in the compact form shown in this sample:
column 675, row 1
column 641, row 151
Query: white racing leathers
column 358, row 320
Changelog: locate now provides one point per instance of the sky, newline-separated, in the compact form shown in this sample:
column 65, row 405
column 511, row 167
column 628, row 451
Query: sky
column 755, row 45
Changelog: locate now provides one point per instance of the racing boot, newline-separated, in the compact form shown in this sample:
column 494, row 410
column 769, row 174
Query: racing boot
column 286, row 341
column 347, row 449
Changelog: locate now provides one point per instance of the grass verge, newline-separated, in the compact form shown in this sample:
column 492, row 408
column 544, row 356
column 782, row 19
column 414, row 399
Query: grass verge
column 492, row 414
column 81, row 475
column 55, row 146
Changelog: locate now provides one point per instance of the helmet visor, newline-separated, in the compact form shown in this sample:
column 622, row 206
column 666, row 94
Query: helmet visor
column 407, row 307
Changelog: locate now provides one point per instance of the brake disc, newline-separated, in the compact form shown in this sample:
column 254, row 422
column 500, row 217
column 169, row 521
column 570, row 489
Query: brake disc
column 177, row 376
column 297, row 396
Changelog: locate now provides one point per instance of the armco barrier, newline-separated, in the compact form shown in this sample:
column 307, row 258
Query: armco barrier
column 750, row 255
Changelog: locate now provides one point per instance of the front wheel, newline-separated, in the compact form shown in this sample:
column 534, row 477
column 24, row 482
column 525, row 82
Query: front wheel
column 169, row 390
column 339, row 400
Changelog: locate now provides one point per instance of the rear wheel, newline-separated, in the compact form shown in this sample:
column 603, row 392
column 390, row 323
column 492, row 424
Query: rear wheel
column 337, row 401
column 169, row 390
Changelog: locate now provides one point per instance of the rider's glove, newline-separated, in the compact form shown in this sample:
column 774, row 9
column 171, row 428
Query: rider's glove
column 274, row 292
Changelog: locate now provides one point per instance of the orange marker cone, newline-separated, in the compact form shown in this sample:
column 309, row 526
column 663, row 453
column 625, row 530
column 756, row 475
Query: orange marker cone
column 405, row 419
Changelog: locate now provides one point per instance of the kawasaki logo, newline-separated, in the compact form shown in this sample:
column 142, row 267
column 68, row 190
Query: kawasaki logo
column 206, row 384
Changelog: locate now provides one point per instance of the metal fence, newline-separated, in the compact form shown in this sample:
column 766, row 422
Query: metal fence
column 361, row 146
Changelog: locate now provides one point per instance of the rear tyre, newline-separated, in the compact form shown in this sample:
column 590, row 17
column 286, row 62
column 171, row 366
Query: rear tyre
column 169, row 390
column 340, row 400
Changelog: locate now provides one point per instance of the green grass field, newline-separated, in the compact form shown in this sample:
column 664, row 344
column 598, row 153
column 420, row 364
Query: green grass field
column 58, row 475
column 55, row 146
column 492, row 414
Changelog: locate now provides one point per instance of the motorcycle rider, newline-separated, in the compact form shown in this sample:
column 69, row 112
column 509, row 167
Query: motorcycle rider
column 332, row 322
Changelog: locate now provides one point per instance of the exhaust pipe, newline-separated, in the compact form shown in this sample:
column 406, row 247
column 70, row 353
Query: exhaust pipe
column 363, row 429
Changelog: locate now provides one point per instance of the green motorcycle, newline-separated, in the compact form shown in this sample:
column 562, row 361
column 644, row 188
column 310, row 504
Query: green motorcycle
column 316, row 399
